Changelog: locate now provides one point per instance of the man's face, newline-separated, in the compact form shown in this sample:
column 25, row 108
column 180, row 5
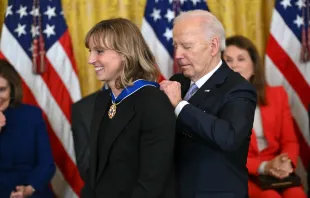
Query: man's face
column 192, row 50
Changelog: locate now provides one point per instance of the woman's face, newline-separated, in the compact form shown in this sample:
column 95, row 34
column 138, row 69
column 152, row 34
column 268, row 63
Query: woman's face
column 5, row 92
column 107, row 63
column 239, row 60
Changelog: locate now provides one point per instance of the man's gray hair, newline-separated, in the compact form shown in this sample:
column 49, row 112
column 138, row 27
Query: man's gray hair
column 213, row 27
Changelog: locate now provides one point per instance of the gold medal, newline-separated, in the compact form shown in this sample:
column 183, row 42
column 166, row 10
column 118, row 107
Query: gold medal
column 112, row 111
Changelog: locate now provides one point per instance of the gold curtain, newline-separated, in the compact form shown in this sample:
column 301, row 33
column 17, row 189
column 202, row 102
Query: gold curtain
column 250, row 18
column 3, row 4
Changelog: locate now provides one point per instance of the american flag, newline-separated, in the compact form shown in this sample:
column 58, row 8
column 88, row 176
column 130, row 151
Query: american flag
column 288, row 44
column 157, row 29
column 32, row 30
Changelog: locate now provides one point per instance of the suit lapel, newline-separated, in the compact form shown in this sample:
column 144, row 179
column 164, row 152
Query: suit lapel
column 124, row 113
column 100, row 108
column 208, row 88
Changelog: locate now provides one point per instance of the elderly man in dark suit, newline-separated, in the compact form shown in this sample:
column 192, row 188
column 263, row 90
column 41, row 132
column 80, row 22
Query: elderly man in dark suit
column 215, row 116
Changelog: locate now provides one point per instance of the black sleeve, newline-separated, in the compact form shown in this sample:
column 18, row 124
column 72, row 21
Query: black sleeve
column 157, row 145
column 81, row 142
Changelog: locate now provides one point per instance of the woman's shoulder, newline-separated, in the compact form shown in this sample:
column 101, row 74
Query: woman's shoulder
column 30, row 108
column 153, row 102
column 276, row 96
column 26, row 110
column 273, row 91
column 24, row 114
column 152, row 98
column 150, row 93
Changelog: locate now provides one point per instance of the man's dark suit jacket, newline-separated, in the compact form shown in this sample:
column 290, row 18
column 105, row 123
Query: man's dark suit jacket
column 213, row 136
column 82, row 112
column 136, row 158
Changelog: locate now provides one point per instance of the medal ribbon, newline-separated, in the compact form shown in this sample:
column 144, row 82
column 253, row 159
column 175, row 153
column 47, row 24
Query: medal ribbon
column 138, row 84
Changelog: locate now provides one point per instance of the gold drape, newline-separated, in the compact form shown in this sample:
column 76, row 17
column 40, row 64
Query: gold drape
column 250, row 18
column 3, row 5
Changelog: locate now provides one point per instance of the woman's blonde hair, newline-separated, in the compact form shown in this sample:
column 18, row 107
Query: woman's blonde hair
column 124, row 37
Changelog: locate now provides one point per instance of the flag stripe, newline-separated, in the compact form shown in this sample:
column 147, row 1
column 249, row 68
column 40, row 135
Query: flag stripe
column 289, row 43
column 65, row 41
column 303, row 146
column 57, row 90
column 63, row 190
column 289, row 70
column 60, row 62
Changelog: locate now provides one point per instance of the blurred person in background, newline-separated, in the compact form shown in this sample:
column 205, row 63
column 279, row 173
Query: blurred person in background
column 81, row 117
column 26, row 161
column 273, row 147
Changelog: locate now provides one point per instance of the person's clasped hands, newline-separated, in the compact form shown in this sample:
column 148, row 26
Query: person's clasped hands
column 22, row 192
column 279, row 167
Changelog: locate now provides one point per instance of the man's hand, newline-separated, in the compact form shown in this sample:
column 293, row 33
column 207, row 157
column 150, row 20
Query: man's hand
column 2, row 120
column 173, row 90
column 22, row 192
column 279, row 167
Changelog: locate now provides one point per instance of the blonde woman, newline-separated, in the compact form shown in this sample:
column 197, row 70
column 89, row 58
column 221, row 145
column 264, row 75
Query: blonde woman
column 133, row 126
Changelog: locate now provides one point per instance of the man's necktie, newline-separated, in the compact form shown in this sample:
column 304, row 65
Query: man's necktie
column 193, row 88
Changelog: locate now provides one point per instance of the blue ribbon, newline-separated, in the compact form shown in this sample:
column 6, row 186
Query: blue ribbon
column 127, row 91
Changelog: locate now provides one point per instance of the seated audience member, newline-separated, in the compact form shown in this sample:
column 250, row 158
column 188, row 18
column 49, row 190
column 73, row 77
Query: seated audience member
column 26, row 162
column 273, row 147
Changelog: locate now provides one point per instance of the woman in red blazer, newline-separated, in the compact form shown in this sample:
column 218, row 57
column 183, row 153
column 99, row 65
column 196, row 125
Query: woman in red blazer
column 273, row 147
